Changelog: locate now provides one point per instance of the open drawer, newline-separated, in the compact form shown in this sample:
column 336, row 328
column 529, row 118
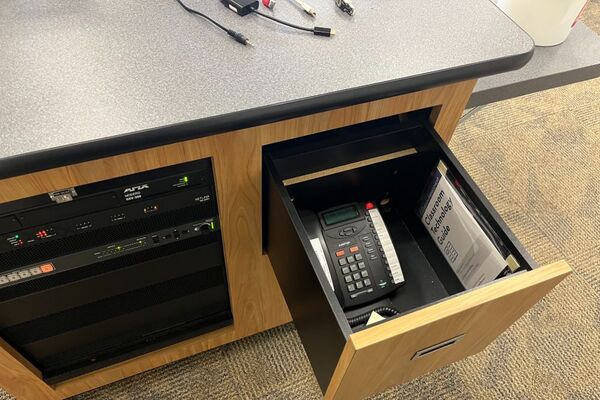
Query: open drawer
column 439, row 321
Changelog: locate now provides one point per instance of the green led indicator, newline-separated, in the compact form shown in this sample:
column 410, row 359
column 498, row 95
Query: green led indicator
column 119, row 248
column 17, row 236
column 212, row 225
column 185, row 179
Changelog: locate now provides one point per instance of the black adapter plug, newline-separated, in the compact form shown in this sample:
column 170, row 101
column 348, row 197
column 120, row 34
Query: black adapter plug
column 241, row 7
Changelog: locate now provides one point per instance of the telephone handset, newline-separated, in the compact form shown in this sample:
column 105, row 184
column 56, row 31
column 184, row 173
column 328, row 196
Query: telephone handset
column 355, row 251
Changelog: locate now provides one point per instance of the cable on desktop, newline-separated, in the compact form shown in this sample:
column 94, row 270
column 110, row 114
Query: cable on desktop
column 317, row 30
column 237, row 36
column 245, row 7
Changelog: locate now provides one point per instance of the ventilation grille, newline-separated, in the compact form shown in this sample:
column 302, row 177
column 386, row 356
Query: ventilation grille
column 75, row 318
column 97, row 355
column 66, row 245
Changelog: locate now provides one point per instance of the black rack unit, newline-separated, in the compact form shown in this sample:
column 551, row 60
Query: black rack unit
column 99, row 273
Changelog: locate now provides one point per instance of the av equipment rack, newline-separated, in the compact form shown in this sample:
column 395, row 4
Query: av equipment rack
column 99, row 273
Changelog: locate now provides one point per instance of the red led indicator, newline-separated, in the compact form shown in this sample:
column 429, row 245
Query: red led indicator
column 42, row 234
column 370, row 205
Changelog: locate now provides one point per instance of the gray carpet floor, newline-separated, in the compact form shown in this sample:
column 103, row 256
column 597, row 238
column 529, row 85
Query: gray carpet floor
column 537, row 159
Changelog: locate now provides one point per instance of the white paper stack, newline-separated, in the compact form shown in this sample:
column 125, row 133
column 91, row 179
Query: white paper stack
column 466, row 247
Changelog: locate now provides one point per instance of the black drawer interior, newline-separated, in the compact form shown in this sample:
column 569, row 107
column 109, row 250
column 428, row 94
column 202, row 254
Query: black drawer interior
column 400, row 180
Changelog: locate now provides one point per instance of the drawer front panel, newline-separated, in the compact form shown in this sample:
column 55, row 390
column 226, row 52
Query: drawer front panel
column 425, row 340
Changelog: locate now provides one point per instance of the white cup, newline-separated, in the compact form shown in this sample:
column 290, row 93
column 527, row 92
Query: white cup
column 548, row 22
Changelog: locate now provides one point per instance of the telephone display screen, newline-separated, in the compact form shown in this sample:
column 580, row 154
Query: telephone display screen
column 340, row 215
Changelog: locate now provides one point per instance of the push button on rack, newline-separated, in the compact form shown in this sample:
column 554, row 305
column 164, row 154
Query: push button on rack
column 350, row 259
column 47, row 268
column 351, row 287
column 345, row 270
column 362, row 265
column 358, row 257
column 24, row 274
column 342, row 261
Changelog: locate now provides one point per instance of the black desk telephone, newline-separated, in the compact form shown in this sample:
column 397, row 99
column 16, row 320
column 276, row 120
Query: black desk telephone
column 355, row 252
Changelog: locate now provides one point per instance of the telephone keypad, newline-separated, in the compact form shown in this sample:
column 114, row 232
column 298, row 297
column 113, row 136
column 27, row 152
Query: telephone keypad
column 353, row 267
column 354, row 274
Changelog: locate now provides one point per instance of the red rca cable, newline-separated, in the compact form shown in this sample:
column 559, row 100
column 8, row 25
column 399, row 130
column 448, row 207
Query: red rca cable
column 269, row 3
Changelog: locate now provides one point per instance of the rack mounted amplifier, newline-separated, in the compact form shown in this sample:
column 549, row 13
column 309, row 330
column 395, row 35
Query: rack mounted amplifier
column 99, row 273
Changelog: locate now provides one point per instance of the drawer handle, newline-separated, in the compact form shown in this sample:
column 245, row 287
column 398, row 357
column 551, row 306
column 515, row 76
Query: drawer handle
column 436, row 347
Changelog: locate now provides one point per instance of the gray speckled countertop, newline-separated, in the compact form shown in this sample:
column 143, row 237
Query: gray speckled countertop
column 83, row 79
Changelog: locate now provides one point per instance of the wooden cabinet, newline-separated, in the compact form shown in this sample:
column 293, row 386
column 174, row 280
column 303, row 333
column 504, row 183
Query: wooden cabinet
column 254, row 200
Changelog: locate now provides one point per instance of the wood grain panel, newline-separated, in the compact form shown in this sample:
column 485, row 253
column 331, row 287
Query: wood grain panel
column 20, row 378
column 383, row 356
column 445, row 117
column 256, row 298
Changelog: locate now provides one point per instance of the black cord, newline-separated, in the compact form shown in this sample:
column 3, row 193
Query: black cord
column 317, row 30
column 191, row 10
column 363, row 318
column 302, row 28
column 237, row 36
